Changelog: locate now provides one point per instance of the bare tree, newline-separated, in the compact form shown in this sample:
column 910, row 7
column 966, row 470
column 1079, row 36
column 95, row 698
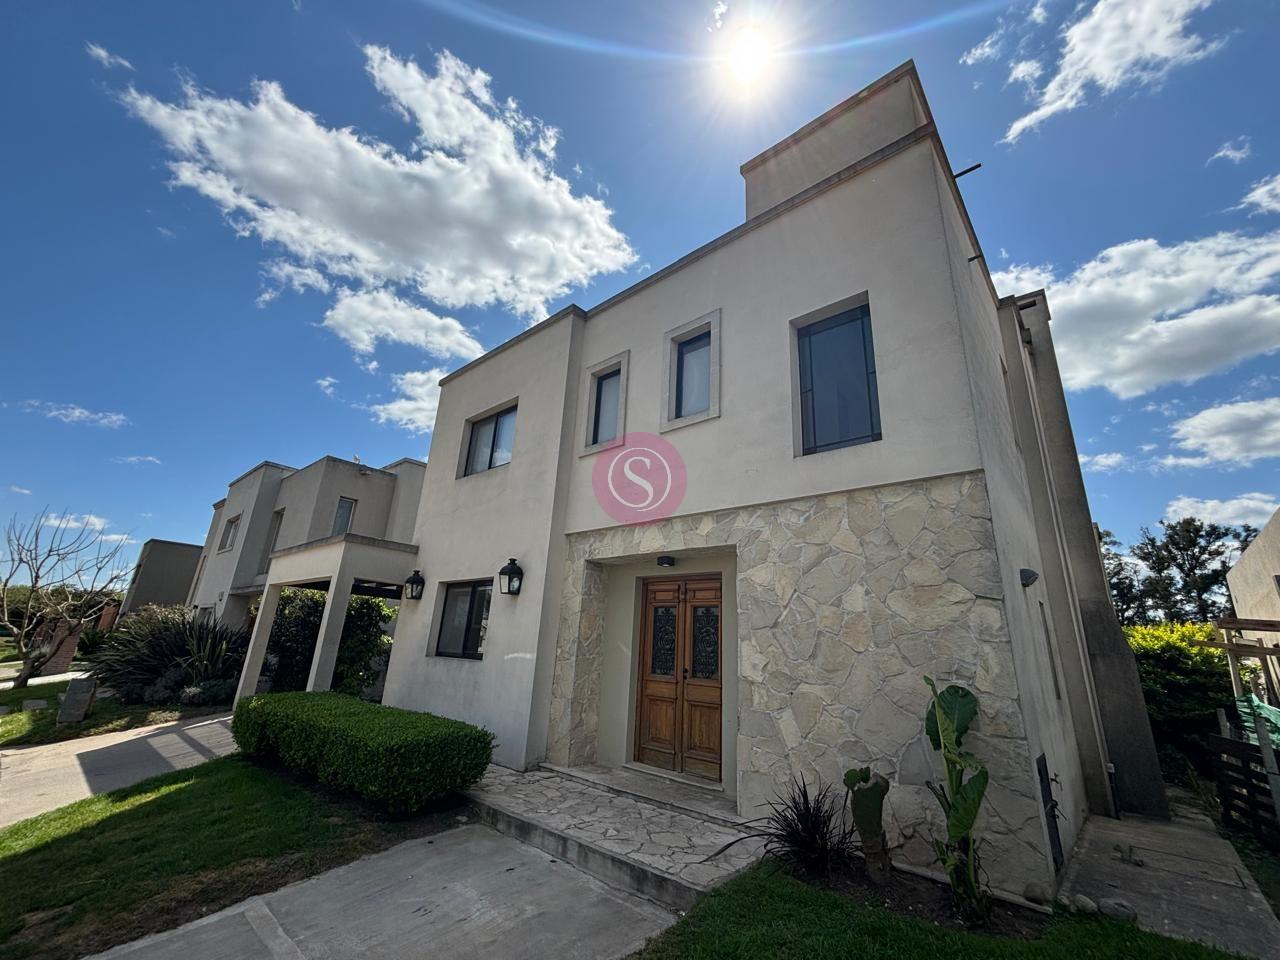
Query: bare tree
column 58, row 573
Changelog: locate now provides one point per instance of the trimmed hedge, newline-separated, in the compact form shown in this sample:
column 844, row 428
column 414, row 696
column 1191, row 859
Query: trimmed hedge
column 400, row 760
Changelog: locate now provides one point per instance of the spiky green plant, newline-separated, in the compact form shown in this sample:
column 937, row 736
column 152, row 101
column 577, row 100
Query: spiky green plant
column 950, row 713
column 867, row 791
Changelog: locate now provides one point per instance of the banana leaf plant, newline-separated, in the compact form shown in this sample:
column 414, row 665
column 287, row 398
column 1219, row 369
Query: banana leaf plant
column 951, row 712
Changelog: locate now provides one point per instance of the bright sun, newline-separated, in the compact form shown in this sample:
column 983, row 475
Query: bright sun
column 749, row 55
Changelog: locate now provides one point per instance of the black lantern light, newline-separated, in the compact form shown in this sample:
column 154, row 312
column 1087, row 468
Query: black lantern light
column 510, row 577
column 413, row 586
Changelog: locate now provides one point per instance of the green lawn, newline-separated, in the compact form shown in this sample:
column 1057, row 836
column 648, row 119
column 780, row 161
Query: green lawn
column 118, row 866
column 107, row 716
column 8, row 650
column 768, row 915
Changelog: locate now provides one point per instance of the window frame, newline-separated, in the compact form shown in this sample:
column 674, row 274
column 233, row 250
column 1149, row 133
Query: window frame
column 619, row 364
column 673, row 339
column 351, row 517
column 473, row 587
column 230, row 533
column 480, row 421
column 273, row 537
column 799, row 330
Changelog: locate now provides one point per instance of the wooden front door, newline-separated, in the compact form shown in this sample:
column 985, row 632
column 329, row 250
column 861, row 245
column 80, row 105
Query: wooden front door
column 678, row 718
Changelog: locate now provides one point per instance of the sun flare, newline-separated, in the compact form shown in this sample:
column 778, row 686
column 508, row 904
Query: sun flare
column 749, row 56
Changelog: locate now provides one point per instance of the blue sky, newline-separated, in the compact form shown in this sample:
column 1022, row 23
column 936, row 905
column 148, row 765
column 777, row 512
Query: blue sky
column 247, row 231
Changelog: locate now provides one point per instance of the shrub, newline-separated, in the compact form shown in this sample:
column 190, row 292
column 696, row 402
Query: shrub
column 398, row 759
column 165, row 655
column 1184, row 685
column 292, row 644
column 804, row 830
column 867, row 790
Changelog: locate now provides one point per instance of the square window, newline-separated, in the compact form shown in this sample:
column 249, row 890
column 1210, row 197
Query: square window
column 492, row 440
column 464, row 620
column 229, row 534
column 839, row 403
column 604, row 420
column 342, row 516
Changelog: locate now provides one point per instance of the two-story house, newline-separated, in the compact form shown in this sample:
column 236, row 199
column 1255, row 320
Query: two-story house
column 334, row 525
column 754, row 499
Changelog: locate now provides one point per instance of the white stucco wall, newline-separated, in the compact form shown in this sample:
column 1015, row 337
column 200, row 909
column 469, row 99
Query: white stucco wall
column 1255, row 591
column 470, row 525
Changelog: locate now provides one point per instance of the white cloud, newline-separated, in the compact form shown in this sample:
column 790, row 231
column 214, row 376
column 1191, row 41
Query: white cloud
column 473, row 215
column 1251, row 508
column 136, row 459
column 72, row 413
column 415, row 408
column 105, row 57
column 1039, row 14
column 1025, row 71
column 363, row 318
column 1116, row 44
column 1234, row 434
column 1147, row 447
column 1237, row 151
column 117, row 538
column 280, row 274
column 987, row 49
column 718, row 10
column 1139, row 314
column 14, row 488
column 1104, row 462
column 326, row 385
column 1263, row 196
column 77, row 521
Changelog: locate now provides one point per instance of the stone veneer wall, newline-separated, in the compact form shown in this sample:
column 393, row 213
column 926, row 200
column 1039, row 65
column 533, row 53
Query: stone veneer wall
column 845, row 601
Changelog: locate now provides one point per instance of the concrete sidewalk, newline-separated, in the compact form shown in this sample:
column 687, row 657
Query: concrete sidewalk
column 1183, row 879
column 40, row 778
column 468, row 894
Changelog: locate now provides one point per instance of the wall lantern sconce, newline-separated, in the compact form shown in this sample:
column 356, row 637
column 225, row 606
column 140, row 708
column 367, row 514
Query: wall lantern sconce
column 413, row 586
column 1028, row 577
column 510, row 577
column 666, row 561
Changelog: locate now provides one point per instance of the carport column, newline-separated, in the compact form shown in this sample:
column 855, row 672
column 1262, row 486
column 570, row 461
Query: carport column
column 335, row 615
column 258, row 642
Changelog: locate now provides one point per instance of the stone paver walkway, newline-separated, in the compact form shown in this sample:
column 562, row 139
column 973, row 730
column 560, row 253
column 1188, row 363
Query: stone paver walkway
column 468, row 894
column 36, row 779
column 669, row 844
column 1182, row 878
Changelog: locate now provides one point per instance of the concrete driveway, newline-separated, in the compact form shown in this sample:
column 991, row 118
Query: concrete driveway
column 468, row 894
column 40, row 778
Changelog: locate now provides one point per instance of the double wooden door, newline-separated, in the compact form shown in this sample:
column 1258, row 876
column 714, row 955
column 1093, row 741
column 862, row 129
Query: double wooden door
column 679, row 687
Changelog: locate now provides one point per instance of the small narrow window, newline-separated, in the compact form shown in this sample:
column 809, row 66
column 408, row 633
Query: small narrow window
column 1048, row 642
column 464, row 620
column 342, row 516
column 492, row 440
column 693, row 375
column 839, row 401
column 229, row 534
column 604, row 423
column 273, row 537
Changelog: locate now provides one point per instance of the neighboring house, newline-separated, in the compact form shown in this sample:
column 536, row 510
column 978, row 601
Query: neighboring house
column 867, row 476
column 335, row 525
column 163, row 575
column 1254, row 580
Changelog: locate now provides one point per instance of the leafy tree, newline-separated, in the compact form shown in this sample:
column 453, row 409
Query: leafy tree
column 1127, row 594
column 1188, row 561
column 297, row 626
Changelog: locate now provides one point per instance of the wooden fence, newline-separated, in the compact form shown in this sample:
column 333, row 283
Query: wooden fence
column 1244, row 789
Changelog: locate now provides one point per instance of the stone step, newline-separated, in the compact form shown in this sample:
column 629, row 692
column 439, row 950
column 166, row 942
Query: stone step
column 664, row 854
column 680, row 796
